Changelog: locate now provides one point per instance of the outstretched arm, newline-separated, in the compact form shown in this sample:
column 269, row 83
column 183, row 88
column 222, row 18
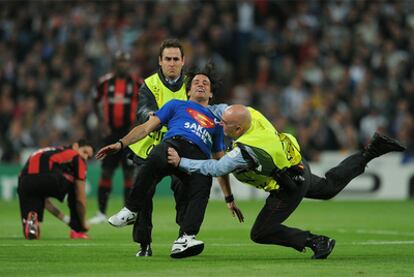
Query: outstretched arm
column 81, row 202
column 55, row 211
column 224, row 182
column 136, row 134
column 227, row 164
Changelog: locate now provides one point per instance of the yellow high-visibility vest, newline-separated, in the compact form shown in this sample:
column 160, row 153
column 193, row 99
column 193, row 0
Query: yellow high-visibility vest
column 274, row 150
column 162, row 95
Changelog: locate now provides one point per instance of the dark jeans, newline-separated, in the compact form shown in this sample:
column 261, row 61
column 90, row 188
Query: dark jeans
column 268, row 227
column 142, row 232
column 194, row 191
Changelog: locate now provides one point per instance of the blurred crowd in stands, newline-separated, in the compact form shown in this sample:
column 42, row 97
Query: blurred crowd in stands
column 330, row 72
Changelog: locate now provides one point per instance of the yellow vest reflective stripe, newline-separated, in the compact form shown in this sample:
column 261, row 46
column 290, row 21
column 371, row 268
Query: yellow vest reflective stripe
column 162, row 95
column 274, row 151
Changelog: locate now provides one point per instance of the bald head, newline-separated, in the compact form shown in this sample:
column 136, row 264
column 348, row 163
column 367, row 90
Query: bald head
column 236, row 120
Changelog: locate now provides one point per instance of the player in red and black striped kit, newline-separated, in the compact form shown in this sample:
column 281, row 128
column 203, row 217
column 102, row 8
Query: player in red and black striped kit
column 54, row 172
column 116, row 101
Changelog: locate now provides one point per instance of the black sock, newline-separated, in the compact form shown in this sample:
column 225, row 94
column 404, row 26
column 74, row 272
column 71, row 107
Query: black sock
column 309, row 239
column 103, row 196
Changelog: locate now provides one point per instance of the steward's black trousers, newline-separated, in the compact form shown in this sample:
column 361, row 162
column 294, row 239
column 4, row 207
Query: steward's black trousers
column 194, row 191
column 268, row 227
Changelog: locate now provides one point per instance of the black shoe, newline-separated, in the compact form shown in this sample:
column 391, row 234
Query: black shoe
column 380, row 145
column 145, row 251
column 321, row 246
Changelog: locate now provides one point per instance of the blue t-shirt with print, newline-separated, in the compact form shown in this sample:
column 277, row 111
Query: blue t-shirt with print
column 193, row 122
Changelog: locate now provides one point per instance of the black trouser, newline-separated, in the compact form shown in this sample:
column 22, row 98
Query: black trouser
column 268, row 227
column 195, row 189
column 34, row 189
column 142, row 232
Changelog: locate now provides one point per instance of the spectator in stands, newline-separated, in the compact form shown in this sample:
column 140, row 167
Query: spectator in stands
column 357, row 46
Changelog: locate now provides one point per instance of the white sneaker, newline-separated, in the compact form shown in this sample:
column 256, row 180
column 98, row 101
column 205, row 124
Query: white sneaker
column 186, row 246
column 122, row 218
column 98, row 218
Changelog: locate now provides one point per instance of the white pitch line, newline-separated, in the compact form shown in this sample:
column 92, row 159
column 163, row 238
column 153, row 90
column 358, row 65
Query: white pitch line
column 251, row 244
column 385, row 232
column 376, row 232
column 40, row 244
column 392, row 242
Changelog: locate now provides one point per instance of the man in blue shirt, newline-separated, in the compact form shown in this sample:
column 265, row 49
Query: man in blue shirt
column 194, row 132
column 269, row 160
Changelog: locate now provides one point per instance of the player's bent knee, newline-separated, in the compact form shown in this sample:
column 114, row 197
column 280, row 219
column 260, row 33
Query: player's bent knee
column 255, row 236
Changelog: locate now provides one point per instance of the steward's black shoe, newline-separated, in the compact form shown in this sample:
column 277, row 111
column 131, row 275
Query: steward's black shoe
column 321, row 246
column 145, row 251
column 380, row 145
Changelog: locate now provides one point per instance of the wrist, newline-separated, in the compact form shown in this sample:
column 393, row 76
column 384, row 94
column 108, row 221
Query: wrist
column 229, row 198
column 121, row 143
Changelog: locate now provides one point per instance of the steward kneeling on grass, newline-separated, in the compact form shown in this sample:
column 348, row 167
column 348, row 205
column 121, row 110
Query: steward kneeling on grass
column 55, row 172
column 269, row 160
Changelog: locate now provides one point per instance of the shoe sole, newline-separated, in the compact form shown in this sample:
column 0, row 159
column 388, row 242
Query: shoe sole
column 325, row 254
column 85, row 236
column 191, row 251
column 32, row 216
column 398, row 146
column 144, row 255
column 123, row 225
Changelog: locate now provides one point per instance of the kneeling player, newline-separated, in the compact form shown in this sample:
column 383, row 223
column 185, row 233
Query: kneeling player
column 55, row 172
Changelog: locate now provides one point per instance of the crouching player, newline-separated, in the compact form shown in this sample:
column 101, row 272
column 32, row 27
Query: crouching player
column 54, row 172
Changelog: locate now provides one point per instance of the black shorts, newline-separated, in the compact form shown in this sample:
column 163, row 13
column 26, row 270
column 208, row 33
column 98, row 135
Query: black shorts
column 112, row 161
column 34, row 189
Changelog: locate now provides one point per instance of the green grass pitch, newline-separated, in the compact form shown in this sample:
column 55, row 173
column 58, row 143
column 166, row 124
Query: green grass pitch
column 374, row 238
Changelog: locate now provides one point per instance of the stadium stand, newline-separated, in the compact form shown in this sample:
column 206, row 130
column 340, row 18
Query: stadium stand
column 331, row 72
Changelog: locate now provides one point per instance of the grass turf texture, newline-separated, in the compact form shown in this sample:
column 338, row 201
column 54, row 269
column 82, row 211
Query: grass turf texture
column 373, row 239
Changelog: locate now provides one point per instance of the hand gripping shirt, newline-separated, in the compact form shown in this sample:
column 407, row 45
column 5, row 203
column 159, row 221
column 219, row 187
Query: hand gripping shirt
column 192, row 122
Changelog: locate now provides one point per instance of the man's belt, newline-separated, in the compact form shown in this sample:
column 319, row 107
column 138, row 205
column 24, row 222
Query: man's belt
column 291, row 177
column 182, row 139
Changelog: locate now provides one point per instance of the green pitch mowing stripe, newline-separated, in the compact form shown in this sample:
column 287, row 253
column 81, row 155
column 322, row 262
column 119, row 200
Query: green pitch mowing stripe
column 373, row 239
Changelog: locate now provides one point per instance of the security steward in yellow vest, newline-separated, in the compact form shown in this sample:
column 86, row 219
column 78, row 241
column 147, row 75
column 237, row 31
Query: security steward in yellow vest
column 266, row 159
column 166, row 84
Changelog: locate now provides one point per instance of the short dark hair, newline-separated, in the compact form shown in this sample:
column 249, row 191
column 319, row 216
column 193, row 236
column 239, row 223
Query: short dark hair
column 85, row 142
column 171, row 43
column 209, row 71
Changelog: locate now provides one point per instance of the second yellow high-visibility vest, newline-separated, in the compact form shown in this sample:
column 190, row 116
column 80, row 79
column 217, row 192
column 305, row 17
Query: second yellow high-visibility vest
column 274, row 150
